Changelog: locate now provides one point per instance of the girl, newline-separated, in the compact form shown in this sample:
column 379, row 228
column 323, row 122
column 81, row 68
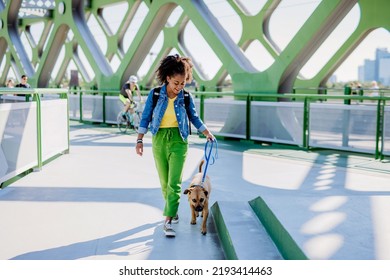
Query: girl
column 169, row 126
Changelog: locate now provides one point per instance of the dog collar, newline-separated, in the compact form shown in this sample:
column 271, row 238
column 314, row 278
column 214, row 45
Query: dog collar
column 193, row 186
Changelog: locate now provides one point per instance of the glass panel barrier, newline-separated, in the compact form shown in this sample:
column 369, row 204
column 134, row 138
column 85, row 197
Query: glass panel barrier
column 18, row 143
column 386, row 132
column 226, row 117
column 343, row 127
column 305, row 120
column 74, row 106
column 92, row 108
column 54, row 123
column 279, row 122
column 31, row 131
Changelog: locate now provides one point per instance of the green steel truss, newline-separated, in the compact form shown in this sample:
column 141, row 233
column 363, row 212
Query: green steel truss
column 65, row 27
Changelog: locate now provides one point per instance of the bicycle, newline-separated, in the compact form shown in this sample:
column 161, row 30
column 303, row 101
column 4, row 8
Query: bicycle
column 130, row 120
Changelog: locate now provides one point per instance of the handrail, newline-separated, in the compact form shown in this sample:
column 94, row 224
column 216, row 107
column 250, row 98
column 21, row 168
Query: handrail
column 6, row 90
column 43, row 153
column 306, row 99
column 254, row 94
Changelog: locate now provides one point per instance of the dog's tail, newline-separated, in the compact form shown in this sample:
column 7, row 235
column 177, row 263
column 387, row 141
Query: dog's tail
column 200, row 166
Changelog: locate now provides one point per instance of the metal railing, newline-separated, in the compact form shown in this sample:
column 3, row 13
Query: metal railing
column 354, row 123
column 34, row 125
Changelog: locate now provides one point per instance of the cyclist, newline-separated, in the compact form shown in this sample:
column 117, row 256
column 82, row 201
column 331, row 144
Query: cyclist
column 126, row 96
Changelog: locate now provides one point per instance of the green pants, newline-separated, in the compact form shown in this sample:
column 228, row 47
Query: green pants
column 170, row 152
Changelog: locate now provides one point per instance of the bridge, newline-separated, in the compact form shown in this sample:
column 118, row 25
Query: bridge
column 106, row 41
column 299, row 185
column 102, row 201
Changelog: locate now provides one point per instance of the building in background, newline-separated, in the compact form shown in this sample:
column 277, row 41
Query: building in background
column 384, row 71
column 378, row 69
column 366, row 72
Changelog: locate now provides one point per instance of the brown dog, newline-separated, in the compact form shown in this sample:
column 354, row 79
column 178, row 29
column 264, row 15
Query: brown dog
column 198, row 197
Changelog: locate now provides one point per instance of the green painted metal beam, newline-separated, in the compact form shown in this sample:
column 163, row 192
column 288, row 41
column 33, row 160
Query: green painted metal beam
column 66, row 29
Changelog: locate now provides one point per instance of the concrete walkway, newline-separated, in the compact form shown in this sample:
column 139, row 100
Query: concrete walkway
column 102, row 201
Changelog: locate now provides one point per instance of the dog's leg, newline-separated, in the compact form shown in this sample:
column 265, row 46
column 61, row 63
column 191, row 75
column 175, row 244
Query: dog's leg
column 193, row 216
column 205, row 213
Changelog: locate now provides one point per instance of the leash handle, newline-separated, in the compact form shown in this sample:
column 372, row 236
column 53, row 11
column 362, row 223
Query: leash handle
column 208, row 156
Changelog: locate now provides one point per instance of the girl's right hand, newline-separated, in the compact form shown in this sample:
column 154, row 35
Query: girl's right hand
column 139, row 148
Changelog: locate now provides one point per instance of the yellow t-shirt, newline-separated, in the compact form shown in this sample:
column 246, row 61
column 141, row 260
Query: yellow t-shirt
column 169, row 119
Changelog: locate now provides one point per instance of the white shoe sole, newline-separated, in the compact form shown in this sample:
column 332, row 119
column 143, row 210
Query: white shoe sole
column 170, row 234
column 175, row 221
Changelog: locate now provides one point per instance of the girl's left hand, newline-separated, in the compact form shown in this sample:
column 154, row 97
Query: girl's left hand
column 210, row 137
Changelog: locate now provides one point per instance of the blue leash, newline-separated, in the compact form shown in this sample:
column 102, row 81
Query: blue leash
column 209, row 156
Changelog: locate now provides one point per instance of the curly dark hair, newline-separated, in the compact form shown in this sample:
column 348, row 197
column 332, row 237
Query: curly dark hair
column 173, row 65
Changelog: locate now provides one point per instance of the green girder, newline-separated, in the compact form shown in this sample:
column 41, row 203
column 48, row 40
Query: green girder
column 281, row 76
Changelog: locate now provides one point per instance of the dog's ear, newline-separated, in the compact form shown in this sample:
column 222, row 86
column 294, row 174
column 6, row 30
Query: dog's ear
column 206, row 193
column 186, row 191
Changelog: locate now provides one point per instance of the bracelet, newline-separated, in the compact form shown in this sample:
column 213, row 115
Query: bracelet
column 139, row 141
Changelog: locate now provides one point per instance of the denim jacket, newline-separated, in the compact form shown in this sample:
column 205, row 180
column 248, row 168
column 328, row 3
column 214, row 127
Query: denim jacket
column 154, row 117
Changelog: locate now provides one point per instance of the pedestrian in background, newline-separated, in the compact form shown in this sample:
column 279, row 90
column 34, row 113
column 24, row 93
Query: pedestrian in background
column 23, row 84
column 10, row 83
column 374, row 89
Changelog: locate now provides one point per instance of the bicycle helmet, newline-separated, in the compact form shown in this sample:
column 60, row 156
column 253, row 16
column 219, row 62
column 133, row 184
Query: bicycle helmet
column 133, row 79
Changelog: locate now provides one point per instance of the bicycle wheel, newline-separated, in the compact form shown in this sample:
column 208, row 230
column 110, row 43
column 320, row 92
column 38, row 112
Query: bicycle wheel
column 122, row 123
column 136, row 121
